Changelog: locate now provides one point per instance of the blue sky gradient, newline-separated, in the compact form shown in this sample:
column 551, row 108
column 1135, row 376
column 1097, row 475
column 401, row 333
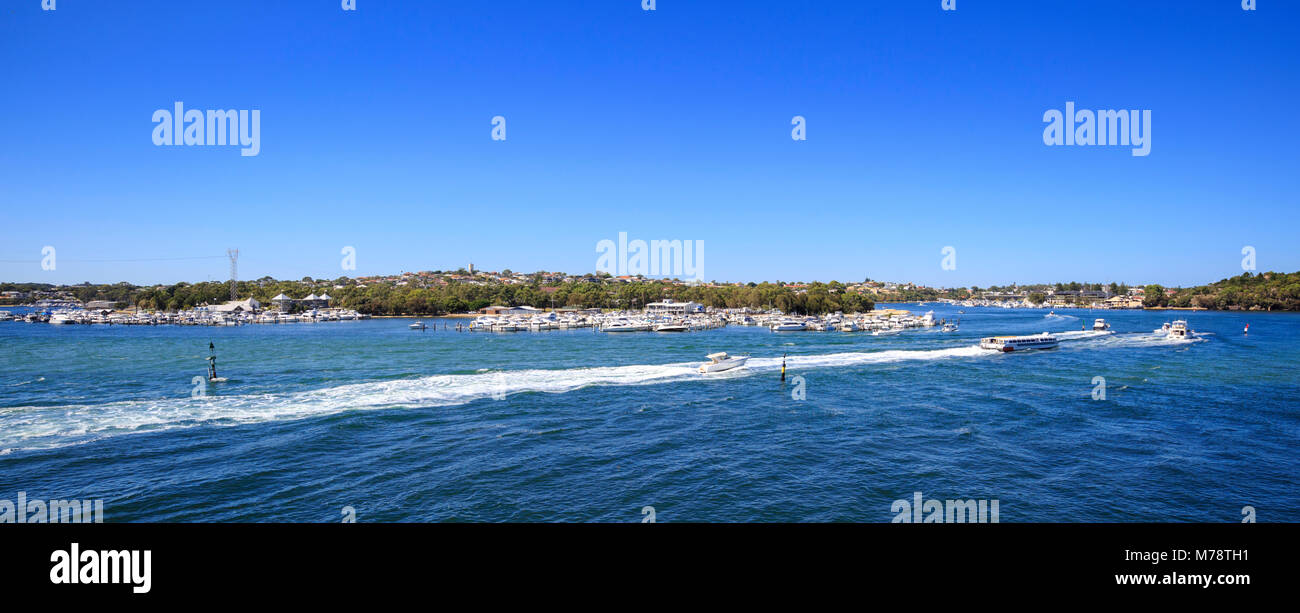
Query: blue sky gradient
column 924, row 130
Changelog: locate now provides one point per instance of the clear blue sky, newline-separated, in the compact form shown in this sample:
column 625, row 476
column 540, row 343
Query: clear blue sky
column 924, row 130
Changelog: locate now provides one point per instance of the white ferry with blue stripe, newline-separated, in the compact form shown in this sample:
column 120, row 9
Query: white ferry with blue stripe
column 1019, row 343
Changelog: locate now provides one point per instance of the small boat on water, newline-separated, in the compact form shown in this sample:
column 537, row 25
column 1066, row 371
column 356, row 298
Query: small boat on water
column 720, row 361
column 419, row 325
column 621, row 325
column 1100, row 325
column 1178, row 330
column 672, row 326
column 788, row 325
column 949, row 327
column 1019, row 343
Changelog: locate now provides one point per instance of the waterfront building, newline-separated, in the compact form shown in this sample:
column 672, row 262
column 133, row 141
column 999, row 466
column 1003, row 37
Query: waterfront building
column 671, row 307
column 507, row 310
column 250, row 305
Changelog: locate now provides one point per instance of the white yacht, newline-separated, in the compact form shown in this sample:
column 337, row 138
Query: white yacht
column 419, row 325
column 672, row 326
column 1019, row 343
column 788, row 325
column 1100, row 325
column 1179, row 330
column 720, row 361
column 621, row 325
column 949, row 327
column 59, row 318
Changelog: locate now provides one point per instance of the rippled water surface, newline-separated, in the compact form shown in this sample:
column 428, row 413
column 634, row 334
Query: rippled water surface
column 578, row 426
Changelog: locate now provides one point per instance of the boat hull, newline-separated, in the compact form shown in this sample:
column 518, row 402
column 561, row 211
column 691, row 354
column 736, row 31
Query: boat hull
column 725, row 365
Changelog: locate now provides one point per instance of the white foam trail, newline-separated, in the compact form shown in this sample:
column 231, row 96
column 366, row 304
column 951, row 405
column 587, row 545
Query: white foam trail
column 1081, row 334
column 1145, row 339
column 875, row 357
column 44, row 427
column 58, row 426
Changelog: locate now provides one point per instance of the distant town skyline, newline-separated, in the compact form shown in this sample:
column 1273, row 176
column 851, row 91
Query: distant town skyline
column 554, row 277
column 854, row 140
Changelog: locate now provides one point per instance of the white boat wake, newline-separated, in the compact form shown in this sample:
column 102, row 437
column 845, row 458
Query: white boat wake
column 40, row 427
column 56, row 426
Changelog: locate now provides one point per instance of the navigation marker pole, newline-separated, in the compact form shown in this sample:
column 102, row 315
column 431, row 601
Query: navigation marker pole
column 783, row 367
column 212, row 362
column 212, row 366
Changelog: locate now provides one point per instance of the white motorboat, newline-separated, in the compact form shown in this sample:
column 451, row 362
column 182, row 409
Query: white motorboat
column 621, row 325
column 1019, row 343
column 788, row 325
column 1178, row 330
column 720, row 361
column 1100, row 325
column 949, row 327
column 419, row 325
column 672, row 326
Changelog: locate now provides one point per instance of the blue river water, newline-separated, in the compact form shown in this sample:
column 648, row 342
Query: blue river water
column 577, row 425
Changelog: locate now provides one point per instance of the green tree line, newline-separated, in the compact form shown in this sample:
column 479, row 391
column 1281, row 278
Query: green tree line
column 1269, row 291
column 386, row 299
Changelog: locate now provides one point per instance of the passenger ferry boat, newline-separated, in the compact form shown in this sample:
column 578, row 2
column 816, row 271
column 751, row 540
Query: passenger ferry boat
column 1019, row 343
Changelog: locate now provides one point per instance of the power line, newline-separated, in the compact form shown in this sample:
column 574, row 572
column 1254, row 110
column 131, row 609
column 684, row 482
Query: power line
column 200, row 257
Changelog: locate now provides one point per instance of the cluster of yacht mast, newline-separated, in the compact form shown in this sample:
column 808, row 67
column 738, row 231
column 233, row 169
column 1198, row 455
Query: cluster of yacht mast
column 888, row 322
column 184, row 318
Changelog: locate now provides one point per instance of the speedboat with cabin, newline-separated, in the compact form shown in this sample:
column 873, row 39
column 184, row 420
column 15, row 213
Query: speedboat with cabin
column 720, row 361
column 621, row 325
